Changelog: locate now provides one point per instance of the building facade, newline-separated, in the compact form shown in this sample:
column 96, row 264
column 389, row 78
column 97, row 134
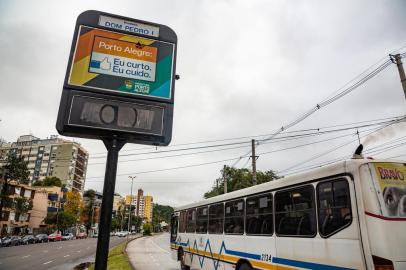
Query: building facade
column 142, row 205
column 50, row 157
column 46, row 200
column 11, row 221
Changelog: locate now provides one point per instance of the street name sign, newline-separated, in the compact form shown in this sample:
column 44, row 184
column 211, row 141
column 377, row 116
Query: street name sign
column 120, row 80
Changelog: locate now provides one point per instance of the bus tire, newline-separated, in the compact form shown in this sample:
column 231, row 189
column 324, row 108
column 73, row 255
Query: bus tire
column 245, row 266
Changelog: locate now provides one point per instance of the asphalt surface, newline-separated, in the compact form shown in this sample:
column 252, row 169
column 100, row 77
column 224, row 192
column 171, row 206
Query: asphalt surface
column 151, row 253
column 59, row 255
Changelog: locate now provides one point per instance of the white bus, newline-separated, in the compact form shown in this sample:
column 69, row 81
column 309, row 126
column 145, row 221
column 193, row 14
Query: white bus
column 349, row 215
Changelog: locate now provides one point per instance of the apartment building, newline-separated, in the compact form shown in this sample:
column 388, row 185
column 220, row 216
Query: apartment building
column 142, row 205
column 46, row 200
column 11, row 221
column 52, row 156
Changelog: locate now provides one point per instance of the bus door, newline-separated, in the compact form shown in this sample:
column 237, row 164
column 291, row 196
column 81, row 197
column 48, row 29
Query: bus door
column 174, row 227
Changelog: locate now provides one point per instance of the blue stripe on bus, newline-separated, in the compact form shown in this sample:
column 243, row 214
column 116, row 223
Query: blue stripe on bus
column 307, row 265
column 243, row 254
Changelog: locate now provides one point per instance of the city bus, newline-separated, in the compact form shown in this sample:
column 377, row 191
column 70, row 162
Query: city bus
column 347, row 215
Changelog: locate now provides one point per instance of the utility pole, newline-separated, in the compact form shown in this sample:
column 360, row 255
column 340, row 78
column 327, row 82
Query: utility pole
column 131, row 201
column 397, row 59
column 225, row 179
column 254, row 165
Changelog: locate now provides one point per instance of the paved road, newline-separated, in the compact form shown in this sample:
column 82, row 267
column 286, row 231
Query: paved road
column 151, row 253
column 55, row 255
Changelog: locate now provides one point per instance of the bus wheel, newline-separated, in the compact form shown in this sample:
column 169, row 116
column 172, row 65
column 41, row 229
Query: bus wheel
column 183, row 266
column 245, row 266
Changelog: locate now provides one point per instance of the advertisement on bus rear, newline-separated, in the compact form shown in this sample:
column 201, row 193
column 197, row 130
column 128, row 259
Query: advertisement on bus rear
column 391, row 178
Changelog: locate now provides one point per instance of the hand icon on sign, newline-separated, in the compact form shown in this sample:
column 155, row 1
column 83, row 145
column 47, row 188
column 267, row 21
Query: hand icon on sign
column 105, row 64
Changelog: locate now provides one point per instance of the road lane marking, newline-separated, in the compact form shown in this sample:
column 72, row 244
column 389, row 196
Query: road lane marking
column 23, row 257
column 66, row 256
column 47, row 262
column 79, row 251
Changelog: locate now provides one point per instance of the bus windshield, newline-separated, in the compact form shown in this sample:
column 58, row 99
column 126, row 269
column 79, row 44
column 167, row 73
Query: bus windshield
column 390, row 184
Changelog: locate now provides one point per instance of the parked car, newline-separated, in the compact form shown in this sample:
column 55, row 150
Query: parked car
column 55, row 237
column 67, row 236
column 95, row 235
column 9, row 241
column 28, row 239
column 81, row 235
column 122, row 234
column 41, row 238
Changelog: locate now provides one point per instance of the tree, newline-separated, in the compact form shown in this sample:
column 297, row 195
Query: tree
column 49, row 182
column 161, row 213
column 73, row 202
column 15, row 170
column 238, row 179
column 61, row 220
column 87, row 208
column 22, row 205
column 147, row 228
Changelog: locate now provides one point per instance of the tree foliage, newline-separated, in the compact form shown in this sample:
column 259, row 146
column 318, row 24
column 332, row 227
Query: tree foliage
column 22, row 205
column 16, row 169
column 73, row 203
column 49, row 182
column 87, row 207
column 161, row 213
column 238, row 179
column 61, row 220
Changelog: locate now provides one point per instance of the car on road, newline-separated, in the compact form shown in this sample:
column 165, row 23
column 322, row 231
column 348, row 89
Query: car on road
column 67, row 236
column 41, row 238
column 28, row 239
column 122, row 234
column 95, row 235
column 81, row 235
column 55, row 237
column 9, row 241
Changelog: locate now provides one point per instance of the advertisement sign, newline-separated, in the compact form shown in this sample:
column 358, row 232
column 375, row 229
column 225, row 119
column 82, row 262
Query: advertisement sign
column 118, row 62
column 392, row 184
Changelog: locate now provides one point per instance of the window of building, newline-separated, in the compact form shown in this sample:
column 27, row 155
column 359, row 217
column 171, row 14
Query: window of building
column 334, row 206
column 259, row 219
column 182, row 221
column 202, row 219
column 191, row 221
column 216, row 218
column 295, row 212
column 234, row 217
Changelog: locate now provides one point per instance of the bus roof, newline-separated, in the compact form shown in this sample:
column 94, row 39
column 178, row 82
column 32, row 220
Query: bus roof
column 347, row 166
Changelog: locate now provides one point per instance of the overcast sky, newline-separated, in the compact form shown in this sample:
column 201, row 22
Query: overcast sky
column 246, row 67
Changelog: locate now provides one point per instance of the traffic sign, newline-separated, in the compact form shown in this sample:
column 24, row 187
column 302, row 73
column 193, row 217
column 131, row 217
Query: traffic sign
column 120, row 80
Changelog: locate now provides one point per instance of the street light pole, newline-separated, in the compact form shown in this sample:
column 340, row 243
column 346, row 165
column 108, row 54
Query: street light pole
column 131, row 201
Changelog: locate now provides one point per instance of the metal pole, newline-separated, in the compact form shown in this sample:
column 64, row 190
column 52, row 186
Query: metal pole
column 113, row 146
column 398, row 61
column 131, row 201
column 254, row 165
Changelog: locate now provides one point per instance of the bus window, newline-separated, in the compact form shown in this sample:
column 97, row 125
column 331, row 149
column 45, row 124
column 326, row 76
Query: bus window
column 191, row 221
column 295, row 212
column 334, row 206
column 234, row 217
column 259, row 219
column 216, row 218
column 182, row 222
column 202, row 219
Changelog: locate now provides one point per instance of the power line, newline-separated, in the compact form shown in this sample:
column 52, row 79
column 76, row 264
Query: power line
column 328, row 101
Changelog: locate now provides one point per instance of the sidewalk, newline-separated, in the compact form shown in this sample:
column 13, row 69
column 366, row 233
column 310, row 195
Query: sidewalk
column 151, row 253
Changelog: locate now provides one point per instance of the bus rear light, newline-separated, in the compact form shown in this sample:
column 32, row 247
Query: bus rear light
column 382, row 264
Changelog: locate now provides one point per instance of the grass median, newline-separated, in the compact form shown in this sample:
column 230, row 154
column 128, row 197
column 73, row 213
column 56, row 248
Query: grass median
column 117, row 259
